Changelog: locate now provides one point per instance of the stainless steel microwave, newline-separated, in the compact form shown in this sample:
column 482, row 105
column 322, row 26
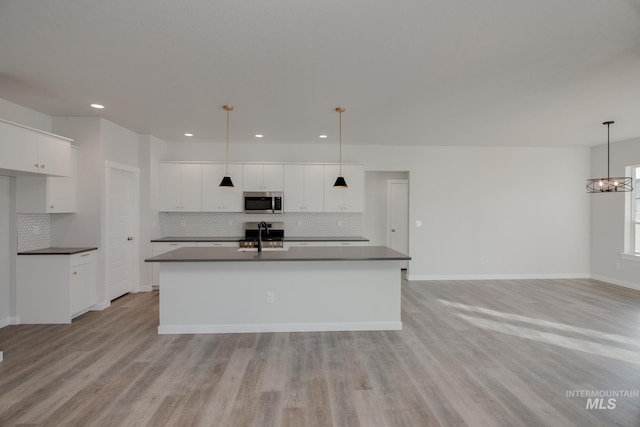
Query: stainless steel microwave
column 262, row 202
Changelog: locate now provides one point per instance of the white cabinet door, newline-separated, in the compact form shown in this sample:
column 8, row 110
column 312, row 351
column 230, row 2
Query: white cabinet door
column 303, row 188
column 169, row 188
column 221, row 199
column 19, row 148
column 263, row 177
column 349, row 199
column 180, row 187
column 53, row 155
column 191, row 187
column 52, row 194
column 293, row 188
column 62, row 191
column 82, row 282
column 314, row 188
column 273, row 177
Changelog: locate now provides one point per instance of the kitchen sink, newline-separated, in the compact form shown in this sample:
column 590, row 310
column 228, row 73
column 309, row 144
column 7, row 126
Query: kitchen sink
column 263, row 249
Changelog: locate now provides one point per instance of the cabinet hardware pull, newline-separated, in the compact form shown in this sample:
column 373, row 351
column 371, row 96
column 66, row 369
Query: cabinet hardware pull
column 42, row 166
column 51, row 207
column 85, row 254
column 37, row 165
column 75, row 273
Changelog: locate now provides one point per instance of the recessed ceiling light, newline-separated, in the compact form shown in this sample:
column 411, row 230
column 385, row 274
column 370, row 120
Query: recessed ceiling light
column 322, row 136
column 188, row 134
column 258, row 135
column 98, row 106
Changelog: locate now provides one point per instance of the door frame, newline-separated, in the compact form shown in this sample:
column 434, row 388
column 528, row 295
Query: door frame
column 390, row 182
column 135, row 273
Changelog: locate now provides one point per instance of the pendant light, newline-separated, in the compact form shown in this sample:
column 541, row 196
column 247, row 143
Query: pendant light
column 226, row 181
column 609, row 184
column 340, row 182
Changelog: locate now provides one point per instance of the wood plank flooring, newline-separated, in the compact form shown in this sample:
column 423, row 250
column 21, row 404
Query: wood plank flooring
column 472, row 353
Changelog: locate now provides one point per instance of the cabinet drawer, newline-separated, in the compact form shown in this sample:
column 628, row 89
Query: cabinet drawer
column 163, row 247
column 82, row 258
column 218, row 244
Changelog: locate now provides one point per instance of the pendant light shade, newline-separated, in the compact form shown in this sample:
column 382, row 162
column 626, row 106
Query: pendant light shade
column 226, row 181
column 609, row 184
column 340, row 182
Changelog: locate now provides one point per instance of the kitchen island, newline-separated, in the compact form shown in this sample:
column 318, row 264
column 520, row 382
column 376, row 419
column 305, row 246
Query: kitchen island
column 224, row 290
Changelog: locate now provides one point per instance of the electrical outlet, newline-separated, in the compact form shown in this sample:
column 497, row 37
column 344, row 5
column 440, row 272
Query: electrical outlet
column 183, row 223
column 299, row 223
column 339, row 223
column 418, row 223
column 230, row 223
column 271, row 297
column 36, row 229
column 618, row 265
column 480, row 261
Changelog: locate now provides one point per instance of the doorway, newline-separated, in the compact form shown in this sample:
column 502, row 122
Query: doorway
column 398, row 216
column 121, row 230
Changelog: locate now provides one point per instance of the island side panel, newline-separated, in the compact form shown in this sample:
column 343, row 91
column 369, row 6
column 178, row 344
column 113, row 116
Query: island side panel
column 228, row 297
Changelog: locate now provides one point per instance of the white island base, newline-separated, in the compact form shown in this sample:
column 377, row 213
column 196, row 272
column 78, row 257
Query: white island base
column 284, row 296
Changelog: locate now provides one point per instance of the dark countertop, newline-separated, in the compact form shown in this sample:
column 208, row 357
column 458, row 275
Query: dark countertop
column 316, row 253
column 235, row 239
column 58, row 251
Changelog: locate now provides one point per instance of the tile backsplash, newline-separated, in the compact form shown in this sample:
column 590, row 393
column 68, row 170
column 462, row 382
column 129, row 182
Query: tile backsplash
column 232, row 224
column 34, row 232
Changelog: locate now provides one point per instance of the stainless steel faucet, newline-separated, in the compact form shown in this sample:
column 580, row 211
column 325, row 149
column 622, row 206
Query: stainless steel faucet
column 266, row 229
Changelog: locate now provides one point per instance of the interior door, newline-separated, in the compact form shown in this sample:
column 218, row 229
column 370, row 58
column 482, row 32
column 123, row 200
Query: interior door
column 121, row 229
column 398, row 215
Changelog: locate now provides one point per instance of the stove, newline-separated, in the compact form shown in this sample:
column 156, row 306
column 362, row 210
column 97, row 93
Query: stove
column 274, row 238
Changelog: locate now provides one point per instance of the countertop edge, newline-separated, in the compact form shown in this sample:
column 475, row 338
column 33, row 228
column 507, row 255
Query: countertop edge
column 59, row 251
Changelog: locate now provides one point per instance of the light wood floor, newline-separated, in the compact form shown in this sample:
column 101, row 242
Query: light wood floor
column 483, row 353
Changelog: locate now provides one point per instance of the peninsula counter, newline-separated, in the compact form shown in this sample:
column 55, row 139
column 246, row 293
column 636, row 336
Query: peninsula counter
column 223, row 290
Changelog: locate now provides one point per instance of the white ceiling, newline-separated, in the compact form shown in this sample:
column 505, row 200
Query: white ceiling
column 434, row 72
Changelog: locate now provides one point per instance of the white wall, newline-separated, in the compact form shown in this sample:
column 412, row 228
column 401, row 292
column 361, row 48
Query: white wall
column 5, row 251
column 487, row 212
column 24, row 116
column 375, row 220
column 608, row 217
column 150, row 150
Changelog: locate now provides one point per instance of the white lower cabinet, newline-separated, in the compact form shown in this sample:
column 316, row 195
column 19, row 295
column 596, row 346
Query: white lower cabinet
column 55, row 288
column 288, row 245
column 325, row 243
column 348, row 243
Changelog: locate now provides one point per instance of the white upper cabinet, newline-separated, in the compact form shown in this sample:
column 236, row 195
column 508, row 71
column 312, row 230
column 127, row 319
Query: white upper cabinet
column 180, row 187
column 303, row 188
column 28, row 150
column 263, row 177
column 349, row 199
column 221, row 199
column 51, row 194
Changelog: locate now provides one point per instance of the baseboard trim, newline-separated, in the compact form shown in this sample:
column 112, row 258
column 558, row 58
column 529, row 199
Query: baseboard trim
column 5, row 322
column 616, row 282
column 497, row 276
column 101, row 306
column 145, row 288
column 279, row 327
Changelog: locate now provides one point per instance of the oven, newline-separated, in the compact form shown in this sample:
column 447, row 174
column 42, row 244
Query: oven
column 272, row 236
